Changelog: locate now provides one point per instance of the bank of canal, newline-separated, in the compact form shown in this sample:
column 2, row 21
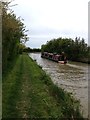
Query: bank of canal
column 29, row 93
column 73, row 77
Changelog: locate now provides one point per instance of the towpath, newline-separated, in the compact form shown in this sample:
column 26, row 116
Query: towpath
column 27, row 94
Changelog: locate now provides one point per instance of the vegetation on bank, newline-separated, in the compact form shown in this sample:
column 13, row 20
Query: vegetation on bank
column 29, row 93
column 13, row 34
column 75, row 50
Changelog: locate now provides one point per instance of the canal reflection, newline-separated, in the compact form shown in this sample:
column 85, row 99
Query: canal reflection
column 73, row 77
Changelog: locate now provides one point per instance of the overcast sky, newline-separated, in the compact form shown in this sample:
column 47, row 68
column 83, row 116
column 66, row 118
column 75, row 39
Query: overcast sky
column 48, row 19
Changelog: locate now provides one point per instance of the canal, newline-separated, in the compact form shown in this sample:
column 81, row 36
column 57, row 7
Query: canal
column 73, row 77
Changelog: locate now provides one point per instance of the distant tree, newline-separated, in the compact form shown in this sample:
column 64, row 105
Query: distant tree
column 76, row 50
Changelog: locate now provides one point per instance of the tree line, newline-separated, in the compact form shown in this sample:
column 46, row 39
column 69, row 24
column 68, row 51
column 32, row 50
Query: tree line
column 13, row 34
column 28, row 49
column 75, row 50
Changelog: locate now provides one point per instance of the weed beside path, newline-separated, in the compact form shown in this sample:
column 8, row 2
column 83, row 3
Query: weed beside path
column 29, row 93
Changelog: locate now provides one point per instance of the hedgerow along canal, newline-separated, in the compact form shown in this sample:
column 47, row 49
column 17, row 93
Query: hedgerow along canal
column 72, row 77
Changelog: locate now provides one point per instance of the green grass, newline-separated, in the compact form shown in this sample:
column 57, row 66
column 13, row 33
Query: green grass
column 29, row 93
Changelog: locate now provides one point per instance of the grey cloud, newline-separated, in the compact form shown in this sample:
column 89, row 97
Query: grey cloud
column 45, row 21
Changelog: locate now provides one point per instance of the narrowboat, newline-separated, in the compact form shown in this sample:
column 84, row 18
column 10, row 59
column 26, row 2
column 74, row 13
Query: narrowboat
column 55, row 57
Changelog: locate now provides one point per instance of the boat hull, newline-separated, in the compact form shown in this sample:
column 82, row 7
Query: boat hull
column 62, row 62
column 54, row 57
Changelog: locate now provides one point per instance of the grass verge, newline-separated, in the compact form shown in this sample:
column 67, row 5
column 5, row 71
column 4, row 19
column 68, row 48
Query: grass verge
column 29, row 93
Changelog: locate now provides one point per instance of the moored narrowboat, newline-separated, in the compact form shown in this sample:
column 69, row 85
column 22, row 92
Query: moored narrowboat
column 55, row 57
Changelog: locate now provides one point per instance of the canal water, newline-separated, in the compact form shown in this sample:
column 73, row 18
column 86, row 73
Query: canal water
column 73, row 77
